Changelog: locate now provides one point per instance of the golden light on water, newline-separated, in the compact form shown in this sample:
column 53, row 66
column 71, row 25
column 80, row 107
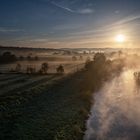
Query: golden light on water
column 120, row 38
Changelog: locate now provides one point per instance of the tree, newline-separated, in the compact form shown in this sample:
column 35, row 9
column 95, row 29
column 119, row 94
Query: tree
column 21, row 58
column 7, row 54
column 88, row 63
column 120, row 53
column 99, row 58
column 74, row 58
column 44, row 68
column 81, row 57
column 36, row 58
column 30, row 70
column 7, row 57
column 18, row 67
column 29, row 57
column 60, row 69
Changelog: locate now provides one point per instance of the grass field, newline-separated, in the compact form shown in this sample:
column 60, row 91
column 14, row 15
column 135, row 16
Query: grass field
column 52, row 106
column 41, row 107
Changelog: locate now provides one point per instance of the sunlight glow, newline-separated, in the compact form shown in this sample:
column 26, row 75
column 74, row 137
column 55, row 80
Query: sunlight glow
column 120, row 38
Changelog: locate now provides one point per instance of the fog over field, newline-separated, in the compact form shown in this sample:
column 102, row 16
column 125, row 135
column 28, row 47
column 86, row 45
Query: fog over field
column 69, row 69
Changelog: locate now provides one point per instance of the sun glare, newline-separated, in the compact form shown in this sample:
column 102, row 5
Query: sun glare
column 120, row 38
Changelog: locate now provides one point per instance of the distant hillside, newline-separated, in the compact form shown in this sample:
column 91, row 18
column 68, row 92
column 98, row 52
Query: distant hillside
column 26, row 48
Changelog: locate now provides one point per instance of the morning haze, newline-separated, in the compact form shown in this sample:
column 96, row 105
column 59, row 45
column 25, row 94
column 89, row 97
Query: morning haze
column 69, row 70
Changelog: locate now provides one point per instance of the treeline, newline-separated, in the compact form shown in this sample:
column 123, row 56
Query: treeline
column 7, row 57
column 43, row 69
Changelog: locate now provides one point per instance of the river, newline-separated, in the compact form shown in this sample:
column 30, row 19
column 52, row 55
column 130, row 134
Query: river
column 115, row 114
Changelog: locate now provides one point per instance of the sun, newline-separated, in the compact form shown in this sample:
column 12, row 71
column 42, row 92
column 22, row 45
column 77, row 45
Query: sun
column 120, row 38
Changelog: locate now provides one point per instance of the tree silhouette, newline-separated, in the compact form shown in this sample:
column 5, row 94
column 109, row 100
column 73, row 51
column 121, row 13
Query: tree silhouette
column 99, row 58
column 30, row 70
column 44, row 68
column 81, row 57
column 21, row 58
column 18, row 67
column 7, row 57
column 88, row 63
column 60, row 69
column 29, row 57
column 74, row 58
column 36, row 58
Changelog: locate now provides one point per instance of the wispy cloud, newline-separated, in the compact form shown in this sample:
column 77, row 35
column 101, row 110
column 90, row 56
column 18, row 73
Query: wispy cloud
column 108, row 28
column 6, row 30
column 85, row 11
column 62, row 7
column 39, row 40
column 70, row 26
column 105, row 34
column 80, row 11
column 129, row 19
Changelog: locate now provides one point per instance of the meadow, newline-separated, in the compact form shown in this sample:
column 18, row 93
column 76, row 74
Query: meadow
column 52, row 105
column 41, row 105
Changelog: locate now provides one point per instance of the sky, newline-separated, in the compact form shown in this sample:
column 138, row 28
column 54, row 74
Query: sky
column 69, row 23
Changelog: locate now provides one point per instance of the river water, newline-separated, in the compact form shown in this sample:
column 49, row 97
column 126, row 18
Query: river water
column 115, row 114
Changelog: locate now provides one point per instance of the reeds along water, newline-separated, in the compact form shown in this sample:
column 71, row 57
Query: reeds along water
column 116, row 113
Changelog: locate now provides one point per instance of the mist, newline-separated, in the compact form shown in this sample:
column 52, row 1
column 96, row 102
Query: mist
column 115, row 113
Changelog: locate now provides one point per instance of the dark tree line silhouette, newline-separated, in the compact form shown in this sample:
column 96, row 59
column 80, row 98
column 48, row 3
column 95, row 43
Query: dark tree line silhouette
column 43, row 70
column 7, row 57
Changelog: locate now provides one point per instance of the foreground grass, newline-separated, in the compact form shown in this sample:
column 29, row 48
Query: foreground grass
column 56, row 112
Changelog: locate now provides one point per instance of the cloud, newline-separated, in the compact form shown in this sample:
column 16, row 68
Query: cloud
column 129, row 19
column 62, row 7
column 5, row 30
column 80, row 11
column 106, row 29
column 85, row 11
column 70, row 26
column 39, row 40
